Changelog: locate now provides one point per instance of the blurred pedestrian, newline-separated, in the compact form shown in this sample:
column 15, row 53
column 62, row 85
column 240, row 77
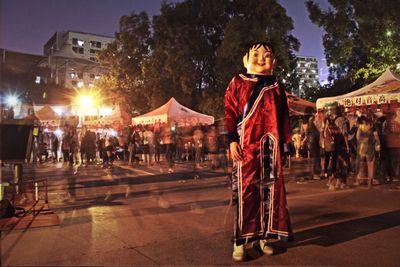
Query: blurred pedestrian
column 312, row 140
column 169, row 141
column 212, row 146
column 54, row 147
column 368, row 145
column 198, row 138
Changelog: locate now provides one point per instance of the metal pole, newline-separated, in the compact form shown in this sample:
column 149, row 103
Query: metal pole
column 18, row 177
column 36, row 191
column 46, row 199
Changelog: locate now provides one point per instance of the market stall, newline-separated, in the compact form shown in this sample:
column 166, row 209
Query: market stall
column 174, row 112
column 48, row 118
column 379, row 99
column 382, row 94
column 117, row 119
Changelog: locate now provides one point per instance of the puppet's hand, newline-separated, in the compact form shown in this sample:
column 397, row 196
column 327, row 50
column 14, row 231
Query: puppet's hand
column 236, row 151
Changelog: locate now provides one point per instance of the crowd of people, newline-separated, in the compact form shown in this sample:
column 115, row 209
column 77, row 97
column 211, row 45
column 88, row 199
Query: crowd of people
column 137, row 145
column 342, row 148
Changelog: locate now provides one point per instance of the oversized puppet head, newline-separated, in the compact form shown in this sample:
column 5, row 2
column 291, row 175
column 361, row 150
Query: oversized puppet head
column 259, row 59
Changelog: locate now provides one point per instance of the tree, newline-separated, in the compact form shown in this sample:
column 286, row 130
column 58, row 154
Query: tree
column 192, row 50
column 186, row 36
column 310, row 93
column 361, row 37
column 385, row 55
column 126, row 57
column 254, row 20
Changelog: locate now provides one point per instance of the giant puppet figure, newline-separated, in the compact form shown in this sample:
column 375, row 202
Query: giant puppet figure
column 257, row 121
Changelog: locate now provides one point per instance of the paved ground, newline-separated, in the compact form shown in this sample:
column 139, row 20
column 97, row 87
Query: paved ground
column 145, row 216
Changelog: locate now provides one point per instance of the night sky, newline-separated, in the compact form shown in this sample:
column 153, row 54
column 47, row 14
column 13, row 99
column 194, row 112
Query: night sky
column 26, row 25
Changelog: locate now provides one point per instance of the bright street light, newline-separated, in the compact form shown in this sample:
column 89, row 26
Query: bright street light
column 86, row 101
column 12, row 100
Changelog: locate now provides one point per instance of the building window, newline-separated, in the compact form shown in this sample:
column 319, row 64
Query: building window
column 93, row 51
column 76, row 41
column 77, row 49
column 93, row 59
column 95, row 44
column 80, row 75
column 91, row 75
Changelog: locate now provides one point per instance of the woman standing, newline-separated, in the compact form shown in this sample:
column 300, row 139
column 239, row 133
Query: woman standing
column 368, row 144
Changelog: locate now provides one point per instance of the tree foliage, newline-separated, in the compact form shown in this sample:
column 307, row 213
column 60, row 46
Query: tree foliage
column 191, row 50
column 125, row 58
column 361, row 37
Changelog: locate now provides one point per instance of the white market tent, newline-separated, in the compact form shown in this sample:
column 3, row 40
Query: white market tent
column 48, row 116
column 384, row 90
column 118, row 117
column 174, row 112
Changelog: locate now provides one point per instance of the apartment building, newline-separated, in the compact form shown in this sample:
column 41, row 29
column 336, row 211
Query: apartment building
column 307, row 70
column 71, row 56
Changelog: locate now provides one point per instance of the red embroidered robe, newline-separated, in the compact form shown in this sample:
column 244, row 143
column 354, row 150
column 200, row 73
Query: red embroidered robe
column 257, row 117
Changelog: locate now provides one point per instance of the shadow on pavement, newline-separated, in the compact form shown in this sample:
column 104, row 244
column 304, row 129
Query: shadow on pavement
column 145, row 179
column 333, row 234
column 111, row 199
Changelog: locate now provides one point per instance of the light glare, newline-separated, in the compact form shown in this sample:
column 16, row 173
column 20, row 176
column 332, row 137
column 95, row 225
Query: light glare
column 86, row 101
column 12, row 100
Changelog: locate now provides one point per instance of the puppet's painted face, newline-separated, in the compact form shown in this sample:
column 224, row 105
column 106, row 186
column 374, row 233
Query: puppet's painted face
column 260, row 61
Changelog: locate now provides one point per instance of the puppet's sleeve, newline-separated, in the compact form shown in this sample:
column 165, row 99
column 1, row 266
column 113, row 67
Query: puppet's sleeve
column 231, row 104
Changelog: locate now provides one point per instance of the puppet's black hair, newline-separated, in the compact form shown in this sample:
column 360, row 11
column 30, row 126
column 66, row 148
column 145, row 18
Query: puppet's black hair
column 257, row 45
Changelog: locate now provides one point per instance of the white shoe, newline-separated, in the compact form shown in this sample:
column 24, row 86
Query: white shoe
column 238, row 252
column 265, row 248
column 316, row 177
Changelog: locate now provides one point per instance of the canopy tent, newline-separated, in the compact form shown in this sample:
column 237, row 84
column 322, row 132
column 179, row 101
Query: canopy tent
column 384, row 90
column 299, row 106
column 48, row 117
column 174, row 112
column 118, row 117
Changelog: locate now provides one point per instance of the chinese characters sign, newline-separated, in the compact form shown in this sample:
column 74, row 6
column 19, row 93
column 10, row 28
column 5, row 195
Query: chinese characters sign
column 369, row 99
